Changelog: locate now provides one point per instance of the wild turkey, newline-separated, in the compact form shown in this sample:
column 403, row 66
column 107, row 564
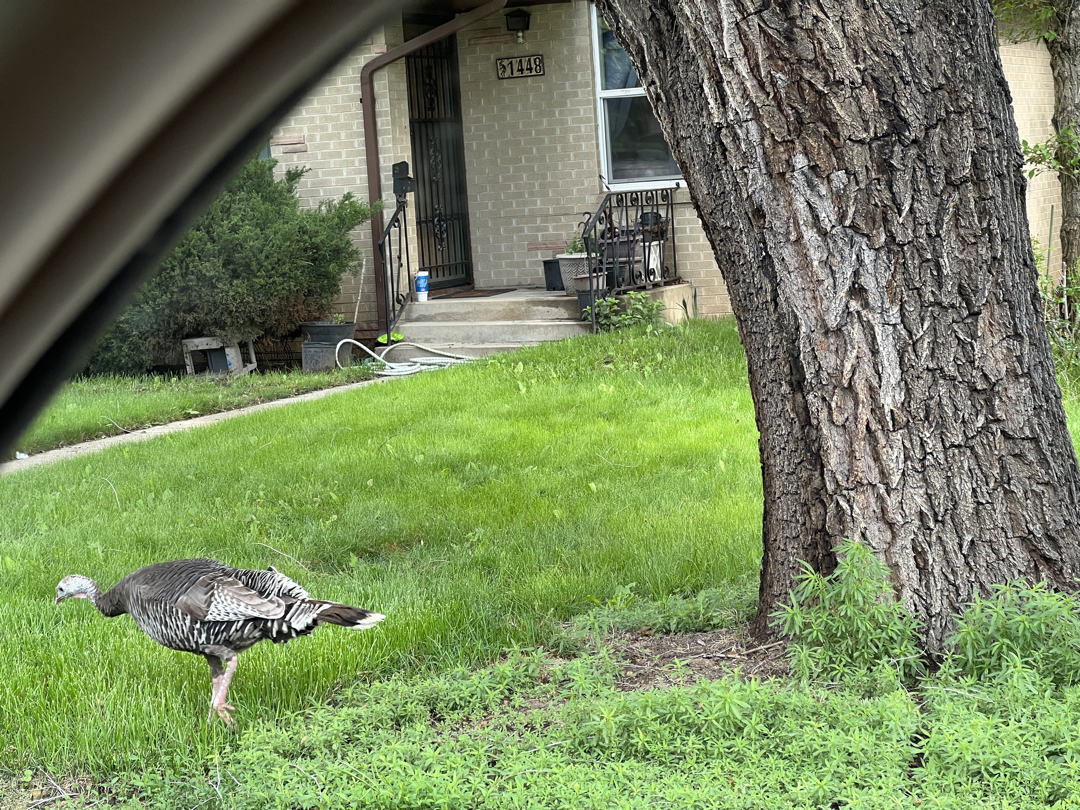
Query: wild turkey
column 204, row 607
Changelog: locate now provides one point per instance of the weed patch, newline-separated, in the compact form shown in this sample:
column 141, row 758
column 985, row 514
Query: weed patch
column 535, row 732
column 849, row 622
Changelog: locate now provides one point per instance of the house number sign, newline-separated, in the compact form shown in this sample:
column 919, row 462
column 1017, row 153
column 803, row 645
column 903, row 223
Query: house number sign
column 518, row 67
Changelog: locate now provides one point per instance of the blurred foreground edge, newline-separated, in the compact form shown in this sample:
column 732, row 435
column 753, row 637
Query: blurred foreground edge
column 123, row 120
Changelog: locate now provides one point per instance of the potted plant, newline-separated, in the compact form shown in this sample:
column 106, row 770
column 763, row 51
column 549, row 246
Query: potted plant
column 336, row 329
column 573, row 263
column 332, row 331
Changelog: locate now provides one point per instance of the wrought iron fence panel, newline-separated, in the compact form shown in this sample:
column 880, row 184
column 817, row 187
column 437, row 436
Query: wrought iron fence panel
column 630, row 242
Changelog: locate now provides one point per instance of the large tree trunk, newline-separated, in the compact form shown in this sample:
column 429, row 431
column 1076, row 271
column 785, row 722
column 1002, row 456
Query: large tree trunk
column 1065, row 65
column 857, row 169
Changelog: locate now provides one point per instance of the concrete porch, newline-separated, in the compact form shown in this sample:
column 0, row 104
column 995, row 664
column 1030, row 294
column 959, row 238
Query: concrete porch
column 478, row 326
column 523, row 317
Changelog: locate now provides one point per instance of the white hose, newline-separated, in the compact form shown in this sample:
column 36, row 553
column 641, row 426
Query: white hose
column 416, row 364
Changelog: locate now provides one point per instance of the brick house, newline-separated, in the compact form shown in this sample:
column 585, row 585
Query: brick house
column 528, row 150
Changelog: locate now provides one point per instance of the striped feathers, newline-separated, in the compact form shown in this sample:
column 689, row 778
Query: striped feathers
column 204, row 607
column 193, row 605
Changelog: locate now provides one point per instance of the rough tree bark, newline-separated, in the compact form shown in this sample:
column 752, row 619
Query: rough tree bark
column 856, row 166
column 1064, row 49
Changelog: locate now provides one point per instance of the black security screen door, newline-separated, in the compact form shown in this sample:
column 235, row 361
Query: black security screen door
column 438, row 152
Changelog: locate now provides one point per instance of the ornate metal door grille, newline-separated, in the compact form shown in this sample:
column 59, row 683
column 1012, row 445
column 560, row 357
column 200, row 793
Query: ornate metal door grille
column 438, row 152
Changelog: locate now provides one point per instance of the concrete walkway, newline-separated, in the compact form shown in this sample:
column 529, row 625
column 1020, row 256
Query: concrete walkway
column 76, row 450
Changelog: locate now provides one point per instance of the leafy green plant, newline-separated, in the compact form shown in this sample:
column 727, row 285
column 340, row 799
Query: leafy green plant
column 253, row 264
column 1019, row 623
column 1024, row 20
column 576, row 244
column 1059, row 153
column 849, row 622
column 620, row 312
column 1062, row 325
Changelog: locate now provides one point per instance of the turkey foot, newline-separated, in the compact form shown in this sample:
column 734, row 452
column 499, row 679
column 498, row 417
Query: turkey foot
column 219, row 693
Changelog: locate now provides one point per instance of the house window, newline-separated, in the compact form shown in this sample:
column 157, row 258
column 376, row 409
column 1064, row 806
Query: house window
column 632, row 147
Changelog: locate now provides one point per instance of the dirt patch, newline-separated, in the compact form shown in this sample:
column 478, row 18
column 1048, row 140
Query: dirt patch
column 654, row 662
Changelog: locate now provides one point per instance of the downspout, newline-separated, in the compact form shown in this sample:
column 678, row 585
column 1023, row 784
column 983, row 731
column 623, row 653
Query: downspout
column 371, row 137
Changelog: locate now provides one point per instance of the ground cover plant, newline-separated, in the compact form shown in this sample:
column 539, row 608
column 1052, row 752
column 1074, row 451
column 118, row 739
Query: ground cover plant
column 542, row 731
column 106, row 405
column 478, row 508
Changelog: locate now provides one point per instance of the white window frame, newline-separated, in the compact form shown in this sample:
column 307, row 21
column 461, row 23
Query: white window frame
column 601, row 119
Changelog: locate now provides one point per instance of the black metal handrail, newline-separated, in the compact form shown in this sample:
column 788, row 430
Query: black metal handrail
column 630, row 242
column 398, row 289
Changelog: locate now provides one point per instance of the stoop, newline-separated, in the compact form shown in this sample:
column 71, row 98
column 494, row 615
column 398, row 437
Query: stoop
column 479, row 326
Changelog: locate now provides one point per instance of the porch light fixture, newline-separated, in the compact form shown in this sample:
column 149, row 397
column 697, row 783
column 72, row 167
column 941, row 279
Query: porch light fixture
column 518, row 21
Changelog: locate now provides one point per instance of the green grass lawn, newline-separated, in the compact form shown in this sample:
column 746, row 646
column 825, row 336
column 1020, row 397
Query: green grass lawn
column 477, row 507
column 613, row 479
column 97, row 407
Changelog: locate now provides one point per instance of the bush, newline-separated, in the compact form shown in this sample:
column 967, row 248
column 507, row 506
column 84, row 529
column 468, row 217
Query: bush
column 1019, row 624
column 1059, row 311
column 624, row 311
column 253, row 264
column 849, row 622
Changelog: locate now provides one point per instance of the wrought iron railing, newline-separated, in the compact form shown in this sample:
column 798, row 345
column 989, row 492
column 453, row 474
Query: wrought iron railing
column 630, row 242
column 395, row 260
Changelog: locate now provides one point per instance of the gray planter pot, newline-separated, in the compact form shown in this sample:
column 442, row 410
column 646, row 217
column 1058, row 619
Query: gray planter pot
column 327, row 331
column 571, row 265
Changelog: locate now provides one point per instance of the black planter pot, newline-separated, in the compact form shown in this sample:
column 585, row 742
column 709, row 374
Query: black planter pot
column 588, row 298
column 552, row 277
column 327, row 331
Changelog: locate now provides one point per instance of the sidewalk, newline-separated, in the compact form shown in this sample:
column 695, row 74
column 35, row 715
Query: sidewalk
column 76, row 450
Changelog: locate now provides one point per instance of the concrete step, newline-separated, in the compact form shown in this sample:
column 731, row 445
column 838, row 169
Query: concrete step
column 519, row 305
column 497, row 332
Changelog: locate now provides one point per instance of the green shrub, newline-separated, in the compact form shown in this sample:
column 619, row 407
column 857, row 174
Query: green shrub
column 253, row 264
column 1019, row 624
column 620, row 312
column 848, row 623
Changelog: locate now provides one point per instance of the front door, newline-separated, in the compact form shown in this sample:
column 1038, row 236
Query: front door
column 438, row 158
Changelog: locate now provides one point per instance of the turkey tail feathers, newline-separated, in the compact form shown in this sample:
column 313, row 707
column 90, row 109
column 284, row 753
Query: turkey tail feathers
column 350, row 617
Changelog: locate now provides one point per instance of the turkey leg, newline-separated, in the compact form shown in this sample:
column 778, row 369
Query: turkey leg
column 220, row 678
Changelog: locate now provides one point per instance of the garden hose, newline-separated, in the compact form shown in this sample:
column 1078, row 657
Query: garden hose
column 413, row 366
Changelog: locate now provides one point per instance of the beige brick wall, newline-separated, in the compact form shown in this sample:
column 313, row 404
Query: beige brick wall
column 533, row 156
column 1027, row 68
column 330, row 120
column 532, row 148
